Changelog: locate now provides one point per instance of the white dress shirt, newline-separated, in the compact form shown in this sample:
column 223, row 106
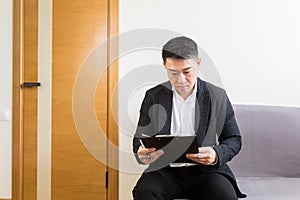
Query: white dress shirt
column 183, row 118
column 183, row 114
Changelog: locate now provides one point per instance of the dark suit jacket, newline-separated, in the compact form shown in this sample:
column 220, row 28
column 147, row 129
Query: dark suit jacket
column 215, row 124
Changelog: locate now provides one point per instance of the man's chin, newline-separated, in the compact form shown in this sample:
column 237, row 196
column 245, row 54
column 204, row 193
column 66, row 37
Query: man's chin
column 183, row 88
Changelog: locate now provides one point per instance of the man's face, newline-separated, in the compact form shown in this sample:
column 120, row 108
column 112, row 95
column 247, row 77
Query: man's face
column 182, row 74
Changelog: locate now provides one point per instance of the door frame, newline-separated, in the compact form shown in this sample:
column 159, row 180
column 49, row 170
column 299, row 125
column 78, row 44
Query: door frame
column 17, row 104
column 17, row 110
column 113, row 79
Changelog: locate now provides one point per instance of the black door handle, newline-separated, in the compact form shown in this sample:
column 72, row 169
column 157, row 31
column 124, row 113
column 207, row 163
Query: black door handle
column 31, row 84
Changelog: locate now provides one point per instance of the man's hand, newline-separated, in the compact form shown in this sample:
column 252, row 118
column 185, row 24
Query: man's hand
column 206, row 156
column 148, row 155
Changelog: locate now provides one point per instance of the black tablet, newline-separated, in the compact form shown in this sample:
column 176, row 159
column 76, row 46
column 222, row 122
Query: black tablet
column 175, row 147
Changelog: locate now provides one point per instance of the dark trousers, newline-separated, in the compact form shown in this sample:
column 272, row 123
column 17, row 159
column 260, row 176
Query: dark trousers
column 184, row 182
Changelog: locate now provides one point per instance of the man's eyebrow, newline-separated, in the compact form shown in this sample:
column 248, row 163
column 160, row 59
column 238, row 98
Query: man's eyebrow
column 173, row 70
column 187, row 68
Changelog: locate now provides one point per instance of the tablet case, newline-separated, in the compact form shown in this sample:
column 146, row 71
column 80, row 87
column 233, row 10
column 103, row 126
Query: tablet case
column 175, row 147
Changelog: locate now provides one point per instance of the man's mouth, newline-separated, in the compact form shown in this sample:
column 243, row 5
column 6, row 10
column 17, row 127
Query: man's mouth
column 181, row 86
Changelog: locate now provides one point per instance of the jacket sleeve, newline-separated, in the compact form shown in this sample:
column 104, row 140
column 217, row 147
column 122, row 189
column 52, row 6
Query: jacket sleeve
column 230, row 141
column 144, row 124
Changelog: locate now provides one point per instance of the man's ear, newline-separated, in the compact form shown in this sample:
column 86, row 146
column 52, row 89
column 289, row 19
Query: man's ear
column 198, row 61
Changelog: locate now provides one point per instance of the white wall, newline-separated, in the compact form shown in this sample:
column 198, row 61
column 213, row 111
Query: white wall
column 5, row 97
column 254, row 45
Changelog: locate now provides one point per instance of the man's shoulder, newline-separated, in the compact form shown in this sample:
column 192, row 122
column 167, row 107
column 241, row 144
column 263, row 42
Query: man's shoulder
column 215, row 90
column 216, row 94
column 162, row 87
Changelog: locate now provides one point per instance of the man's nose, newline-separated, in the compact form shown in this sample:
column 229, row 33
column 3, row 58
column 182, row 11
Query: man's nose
column 181, row 78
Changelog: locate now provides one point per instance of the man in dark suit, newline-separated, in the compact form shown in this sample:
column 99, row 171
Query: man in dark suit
column 187, row 106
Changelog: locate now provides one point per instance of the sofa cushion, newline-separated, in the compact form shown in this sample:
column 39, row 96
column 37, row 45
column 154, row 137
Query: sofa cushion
column 270, row 188
column 271, row 141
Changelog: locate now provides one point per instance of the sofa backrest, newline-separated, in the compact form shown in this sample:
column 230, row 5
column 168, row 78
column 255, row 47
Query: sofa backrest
column 271, row 141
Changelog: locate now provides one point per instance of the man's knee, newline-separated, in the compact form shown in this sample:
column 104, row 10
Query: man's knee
column 147, row 191
column 213, row 186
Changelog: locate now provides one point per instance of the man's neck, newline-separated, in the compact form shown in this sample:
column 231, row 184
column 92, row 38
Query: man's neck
column 185, row 95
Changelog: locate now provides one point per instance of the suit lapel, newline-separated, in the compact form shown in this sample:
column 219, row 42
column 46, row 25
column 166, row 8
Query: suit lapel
column 165, row 112
column 202, row 110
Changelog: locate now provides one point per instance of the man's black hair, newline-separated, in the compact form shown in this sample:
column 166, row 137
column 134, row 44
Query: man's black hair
column 180, row 48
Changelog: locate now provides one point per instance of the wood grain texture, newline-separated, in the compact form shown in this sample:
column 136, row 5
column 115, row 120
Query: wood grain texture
column 113, row 79
column 17, row 107
column 78, row 27
column 30, row 99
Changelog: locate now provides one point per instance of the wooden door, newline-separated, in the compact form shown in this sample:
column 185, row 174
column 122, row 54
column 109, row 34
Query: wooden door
column 78, row 27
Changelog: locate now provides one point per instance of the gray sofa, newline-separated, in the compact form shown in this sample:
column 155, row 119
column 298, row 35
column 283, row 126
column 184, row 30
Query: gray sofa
column 268, row 166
